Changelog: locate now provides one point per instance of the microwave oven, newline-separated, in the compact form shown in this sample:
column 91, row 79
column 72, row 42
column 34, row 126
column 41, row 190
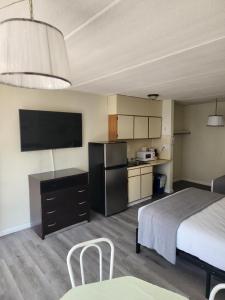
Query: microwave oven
column 146, row 155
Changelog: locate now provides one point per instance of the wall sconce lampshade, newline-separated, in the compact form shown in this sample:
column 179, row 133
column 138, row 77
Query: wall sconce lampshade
column 33, row 55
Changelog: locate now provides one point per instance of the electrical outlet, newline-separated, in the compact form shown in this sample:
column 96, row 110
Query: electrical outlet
column 165, row 147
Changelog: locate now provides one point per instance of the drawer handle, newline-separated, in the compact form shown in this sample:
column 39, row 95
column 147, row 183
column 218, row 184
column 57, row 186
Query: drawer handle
column 51, row 212
column 51, row 225
column 50, row 199
column 81, row 191
column 81, row 215
column 80, row 203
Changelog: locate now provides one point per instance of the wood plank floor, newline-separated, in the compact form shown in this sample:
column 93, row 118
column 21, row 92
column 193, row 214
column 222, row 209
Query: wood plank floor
column 34, row 269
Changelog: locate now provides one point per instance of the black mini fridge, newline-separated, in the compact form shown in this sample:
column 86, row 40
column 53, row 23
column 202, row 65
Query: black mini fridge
column 108, row 188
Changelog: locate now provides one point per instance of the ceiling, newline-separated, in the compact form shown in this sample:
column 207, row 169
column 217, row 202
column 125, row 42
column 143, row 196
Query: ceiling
column 135, row 47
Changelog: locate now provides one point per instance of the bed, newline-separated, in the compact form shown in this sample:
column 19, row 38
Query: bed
column 200, row 238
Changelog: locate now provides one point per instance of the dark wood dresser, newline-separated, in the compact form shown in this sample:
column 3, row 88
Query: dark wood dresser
column 58, row 199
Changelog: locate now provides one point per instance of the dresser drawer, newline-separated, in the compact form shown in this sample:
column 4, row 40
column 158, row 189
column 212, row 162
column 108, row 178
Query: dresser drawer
column 56, row 200
column 62, row 221
column 58, row 223
column 64, row 183
column 77, row 209
column 80, row 195
column 50, row 214
column 63, row 199
column 81, row 206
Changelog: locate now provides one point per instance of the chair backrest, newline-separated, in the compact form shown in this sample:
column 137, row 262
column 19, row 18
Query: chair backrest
column 85, row 246
column 215, row 290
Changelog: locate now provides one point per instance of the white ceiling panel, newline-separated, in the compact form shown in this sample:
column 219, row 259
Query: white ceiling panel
column 175, row 48
column 70, row 14
column 206, row 85
column 193, row 65
column 135, row 32
column 66, row 15
column 203, row 87
column 10, row 9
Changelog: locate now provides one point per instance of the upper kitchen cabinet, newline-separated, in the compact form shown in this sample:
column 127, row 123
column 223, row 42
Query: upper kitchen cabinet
column 134, row 118
column 121, row 127
column 125, row 127
column 154, row 127
column 125, row 105
column 140, row 127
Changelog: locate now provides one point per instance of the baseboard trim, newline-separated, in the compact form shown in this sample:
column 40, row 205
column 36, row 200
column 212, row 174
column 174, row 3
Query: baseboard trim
column 139, row 201
column 14, row 229
column 195, row 181
column 176, row 179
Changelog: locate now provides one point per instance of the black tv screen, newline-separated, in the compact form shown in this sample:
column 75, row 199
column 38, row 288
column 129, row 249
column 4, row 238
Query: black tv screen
column 41, row 130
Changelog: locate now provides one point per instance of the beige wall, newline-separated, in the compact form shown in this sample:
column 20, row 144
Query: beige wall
column 16, row 165
column 203, row 151
column 119, row 104
column 177, row 157
column 178, row 141
column 178, row 117
column 164, row 145
column 135, row 145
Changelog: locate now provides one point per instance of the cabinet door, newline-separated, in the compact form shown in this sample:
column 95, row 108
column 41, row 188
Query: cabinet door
column 146, row 185
column 134, row 188
column 155, row 127
column 125, row 127
column 140, row 127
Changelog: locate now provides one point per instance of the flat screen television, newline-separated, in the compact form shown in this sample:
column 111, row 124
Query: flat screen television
column 41, row 130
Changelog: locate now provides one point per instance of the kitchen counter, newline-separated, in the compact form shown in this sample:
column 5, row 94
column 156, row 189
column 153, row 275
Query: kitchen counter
column 150, row 163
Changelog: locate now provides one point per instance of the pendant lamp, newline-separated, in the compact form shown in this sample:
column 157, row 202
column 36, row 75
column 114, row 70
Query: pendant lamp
column 33, row 54
column 215, row 120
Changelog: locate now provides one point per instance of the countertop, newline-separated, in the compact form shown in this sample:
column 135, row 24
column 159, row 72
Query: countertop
column 150, row 163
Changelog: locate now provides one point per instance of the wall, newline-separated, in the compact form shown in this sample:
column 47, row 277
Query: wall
column 204, row 149
column 125, row 105
column 178, row 141
column 164, row 145
column 135, row 145
column 16, row 165
column 199, row 156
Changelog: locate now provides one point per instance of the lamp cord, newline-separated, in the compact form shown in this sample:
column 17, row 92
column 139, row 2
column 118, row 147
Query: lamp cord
column 31, row 9
column 216, row 107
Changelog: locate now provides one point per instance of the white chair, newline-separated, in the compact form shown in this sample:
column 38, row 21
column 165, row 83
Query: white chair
column 85, row 246
column 215, row 290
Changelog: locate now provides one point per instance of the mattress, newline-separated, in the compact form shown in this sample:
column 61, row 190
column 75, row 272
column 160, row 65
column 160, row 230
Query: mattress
column 203, row 234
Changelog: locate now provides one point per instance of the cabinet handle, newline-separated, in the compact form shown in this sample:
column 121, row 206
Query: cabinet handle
column 50, row 199
column 51, row 212
column 81, row 191
column 80, row 203
column 51, row 225
column 81, row 215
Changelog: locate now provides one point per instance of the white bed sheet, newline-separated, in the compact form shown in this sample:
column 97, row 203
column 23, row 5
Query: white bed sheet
column 203, row 234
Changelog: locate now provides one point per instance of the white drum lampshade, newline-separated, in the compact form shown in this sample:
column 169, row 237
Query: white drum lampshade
column 215, row 121
column 33, row 55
